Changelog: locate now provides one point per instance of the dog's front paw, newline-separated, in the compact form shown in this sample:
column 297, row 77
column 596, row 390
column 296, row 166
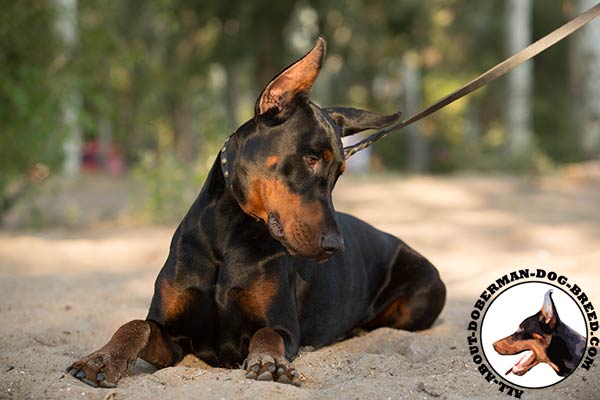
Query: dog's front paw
column 101, row 368
column 267, row 367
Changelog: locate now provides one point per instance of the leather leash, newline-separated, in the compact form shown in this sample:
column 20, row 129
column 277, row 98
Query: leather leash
column 490, row 75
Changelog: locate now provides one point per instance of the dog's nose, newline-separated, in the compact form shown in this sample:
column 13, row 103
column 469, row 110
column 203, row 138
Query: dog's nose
column 332, row 243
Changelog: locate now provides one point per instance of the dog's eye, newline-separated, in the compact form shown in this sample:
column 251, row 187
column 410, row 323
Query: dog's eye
column 311, row 161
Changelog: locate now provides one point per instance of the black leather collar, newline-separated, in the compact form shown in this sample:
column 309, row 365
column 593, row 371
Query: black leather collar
column 224, row 164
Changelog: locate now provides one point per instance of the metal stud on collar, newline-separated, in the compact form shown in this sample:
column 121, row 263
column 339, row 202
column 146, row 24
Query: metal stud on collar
column 224, row 166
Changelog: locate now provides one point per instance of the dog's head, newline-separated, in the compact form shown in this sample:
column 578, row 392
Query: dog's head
column 533, row 337
column 286, row 160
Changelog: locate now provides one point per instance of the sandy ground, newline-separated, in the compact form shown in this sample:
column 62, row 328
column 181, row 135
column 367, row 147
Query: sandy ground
column 65, row 292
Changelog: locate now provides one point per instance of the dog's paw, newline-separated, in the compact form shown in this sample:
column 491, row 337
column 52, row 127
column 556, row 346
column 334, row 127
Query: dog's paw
column 100, row 368
column 266, row 367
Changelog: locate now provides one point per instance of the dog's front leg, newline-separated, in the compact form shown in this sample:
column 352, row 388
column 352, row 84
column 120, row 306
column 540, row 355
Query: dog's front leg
column 143, row 339
column 266, row 359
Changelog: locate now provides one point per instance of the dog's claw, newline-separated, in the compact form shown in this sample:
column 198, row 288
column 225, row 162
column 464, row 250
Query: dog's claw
column 265, row 376
column 102, row 368
column 108, row 385
column 89, row 382
column 272, row 368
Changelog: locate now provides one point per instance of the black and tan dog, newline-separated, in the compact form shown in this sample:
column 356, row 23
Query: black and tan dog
column 545, row 339
column 262, row 264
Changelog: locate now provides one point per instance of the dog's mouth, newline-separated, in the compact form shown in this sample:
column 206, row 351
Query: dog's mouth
column 525, row 363
column 275, row 227
column 277, row 232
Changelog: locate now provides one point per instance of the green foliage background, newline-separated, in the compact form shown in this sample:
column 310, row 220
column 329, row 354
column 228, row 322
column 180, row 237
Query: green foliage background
column 171, row 78
column 32, row 79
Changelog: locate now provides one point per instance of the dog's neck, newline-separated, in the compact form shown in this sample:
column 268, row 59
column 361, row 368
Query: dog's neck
column 218, row 216
column 219, row 182
column 217, row 189
column 566, row 349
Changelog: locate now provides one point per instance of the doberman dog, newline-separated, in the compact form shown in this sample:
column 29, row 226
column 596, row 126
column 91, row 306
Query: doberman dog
column 545, row 339
column 262, row 264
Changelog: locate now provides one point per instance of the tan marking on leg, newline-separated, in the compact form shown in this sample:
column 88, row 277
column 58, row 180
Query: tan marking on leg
column 266, row 340
column 266, row 359
column 395, row 315
column 135, row 339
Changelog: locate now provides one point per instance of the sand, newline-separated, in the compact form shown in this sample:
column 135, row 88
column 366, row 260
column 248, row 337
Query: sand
column 65, row 292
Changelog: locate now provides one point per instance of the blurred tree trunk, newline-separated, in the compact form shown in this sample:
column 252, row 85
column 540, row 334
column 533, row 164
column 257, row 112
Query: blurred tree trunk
column 585, row 68
column 518, row 106
column 418, row 157
column 232, row 96
column 66, row 27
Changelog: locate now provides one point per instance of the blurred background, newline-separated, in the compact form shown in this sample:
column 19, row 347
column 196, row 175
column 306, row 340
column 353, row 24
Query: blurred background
column 111, row 113
column 112, row 110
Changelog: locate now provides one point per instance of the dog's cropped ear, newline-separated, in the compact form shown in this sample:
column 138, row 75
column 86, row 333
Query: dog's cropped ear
column 353, row 120
column 279, row 98
column 549, row 316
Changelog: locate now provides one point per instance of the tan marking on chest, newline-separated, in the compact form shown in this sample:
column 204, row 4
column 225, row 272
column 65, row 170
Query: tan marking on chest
column 174, row 301
column 257, row 298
